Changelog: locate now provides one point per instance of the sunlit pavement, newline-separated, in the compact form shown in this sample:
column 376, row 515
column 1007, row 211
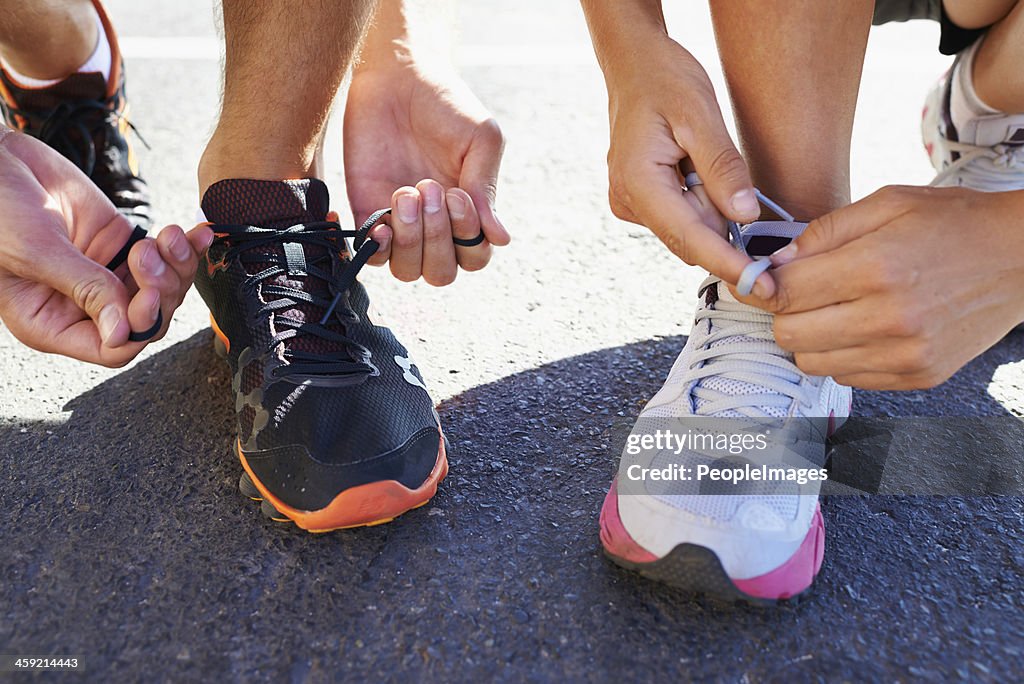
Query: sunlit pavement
column 127, row 543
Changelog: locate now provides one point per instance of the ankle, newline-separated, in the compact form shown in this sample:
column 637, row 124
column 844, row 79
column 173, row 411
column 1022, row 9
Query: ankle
column 222, row 160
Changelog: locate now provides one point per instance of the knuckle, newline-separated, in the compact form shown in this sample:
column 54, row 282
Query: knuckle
column 727, row 163
column 917, row 357
column 406, row 239
column 887, row 274
column 808, row 364
column 88, row 293
column 491, row 131
column 404, row 275
column 436, row 231
column 678, row 245
column 440, row 279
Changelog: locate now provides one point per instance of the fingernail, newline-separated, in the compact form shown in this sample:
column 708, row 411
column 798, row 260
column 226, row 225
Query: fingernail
column 109, row 318
column 152, row 262
column 784, row 255
column 432, row 199
column 180, row 248
column 456, row 205
column 744, row 203
column 208, row 239
column 761, row 290
column 408, row 208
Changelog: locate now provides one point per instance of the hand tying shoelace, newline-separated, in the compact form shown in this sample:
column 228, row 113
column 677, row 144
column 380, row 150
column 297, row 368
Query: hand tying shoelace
column 760, row 264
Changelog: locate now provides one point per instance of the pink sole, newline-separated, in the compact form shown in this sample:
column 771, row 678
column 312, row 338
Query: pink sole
column 614, row 537
column 789, row 579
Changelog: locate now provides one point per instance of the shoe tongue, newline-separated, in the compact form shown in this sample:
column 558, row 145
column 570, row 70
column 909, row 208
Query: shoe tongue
column 266, row 204
column 281, row 204
column 760, row 238
column 80, row 86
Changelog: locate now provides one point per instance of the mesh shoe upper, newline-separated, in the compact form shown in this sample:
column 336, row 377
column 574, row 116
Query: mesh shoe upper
column 331, row 395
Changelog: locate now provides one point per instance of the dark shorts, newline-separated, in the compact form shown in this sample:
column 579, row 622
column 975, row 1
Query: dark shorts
column 953, row 40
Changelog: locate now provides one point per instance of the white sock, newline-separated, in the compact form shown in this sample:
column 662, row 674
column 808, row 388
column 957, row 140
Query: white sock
column 964, row 103
column 100, row 60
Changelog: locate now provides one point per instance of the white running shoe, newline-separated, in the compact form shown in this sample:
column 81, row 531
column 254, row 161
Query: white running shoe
column 759, row 542
column 986, row 153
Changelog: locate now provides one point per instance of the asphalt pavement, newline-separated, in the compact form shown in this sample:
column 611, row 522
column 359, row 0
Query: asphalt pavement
column 126, row 541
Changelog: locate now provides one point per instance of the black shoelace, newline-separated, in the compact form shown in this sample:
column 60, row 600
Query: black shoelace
column 289, row 258
column 58, row 127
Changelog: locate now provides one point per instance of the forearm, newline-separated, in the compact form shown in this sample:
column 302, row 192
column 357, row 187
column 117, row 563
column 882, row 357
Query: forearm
column 621, row 30
column 403, row 27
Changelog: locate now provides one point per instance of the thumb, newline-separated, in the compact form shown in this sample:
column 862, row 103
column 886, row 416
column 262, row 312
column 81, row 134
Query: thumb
column 92, row 288
column 835, row 229
column 479, row 178
column 721, row 167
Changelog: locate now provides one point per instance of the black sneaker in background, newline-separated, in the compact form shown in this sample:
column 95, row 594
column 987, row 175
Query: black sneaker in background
column 335, row 426
column 85, row 118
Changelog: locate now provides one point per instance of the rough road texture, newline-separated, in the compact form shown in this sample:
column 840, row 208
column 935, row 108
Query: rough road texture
column 126, row 542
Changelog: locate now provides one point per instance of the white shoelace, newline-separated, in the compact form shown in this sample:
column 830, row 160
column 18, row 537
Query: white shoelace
column 985, row 168
column 746, row 359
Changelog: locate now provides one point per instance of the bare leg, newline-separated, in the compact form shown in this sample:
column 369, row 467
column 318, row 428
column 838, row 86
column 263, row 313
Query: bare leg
column 284, row 64
column 47, row 39
column 998, row 79
column 793, row 68
column 973, row 14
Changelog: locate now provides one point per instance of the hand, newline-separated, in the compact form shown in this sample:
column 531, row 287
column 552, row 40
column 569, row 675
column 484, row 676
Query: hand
column 663, row 114
column 57, row 231
column 900, row 290
column 428, row 136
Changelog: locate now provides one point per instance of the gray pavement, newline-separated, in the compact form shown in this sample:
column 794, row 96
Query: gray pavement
column 127, row 543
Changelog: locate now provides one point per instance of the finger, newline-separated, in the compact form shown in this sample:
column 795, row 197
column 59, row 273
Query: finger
column 200, row 237
column 837, row 228
column 439, row 264
column 479, row 178
column 813, row 283
column 93, row 289
column 706, row 209
column 661, row 206
column 143, row 311
column 721, row 167
column 178, row 253
column 149, row 269
column 406, row 234
column 839, row 326
column 466, row 226
column 881, row 381
column 381, row 234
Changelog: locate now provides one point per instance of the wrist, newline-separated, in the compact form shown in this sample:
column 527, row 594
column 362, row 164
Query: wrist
column 623, row 34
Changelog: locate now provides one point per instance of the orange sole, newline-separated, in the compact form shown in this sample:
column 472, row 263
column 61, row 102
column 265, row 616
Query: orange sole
column 367, row 505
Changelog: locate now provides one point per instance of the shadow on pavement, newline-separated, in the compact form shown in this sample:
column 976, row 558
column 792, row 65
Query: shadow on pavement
column 127, row 543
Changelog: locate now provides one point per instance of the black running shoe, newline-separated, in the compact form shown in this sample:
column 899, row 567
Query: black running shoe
column 85, row 118
column 335, row 426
